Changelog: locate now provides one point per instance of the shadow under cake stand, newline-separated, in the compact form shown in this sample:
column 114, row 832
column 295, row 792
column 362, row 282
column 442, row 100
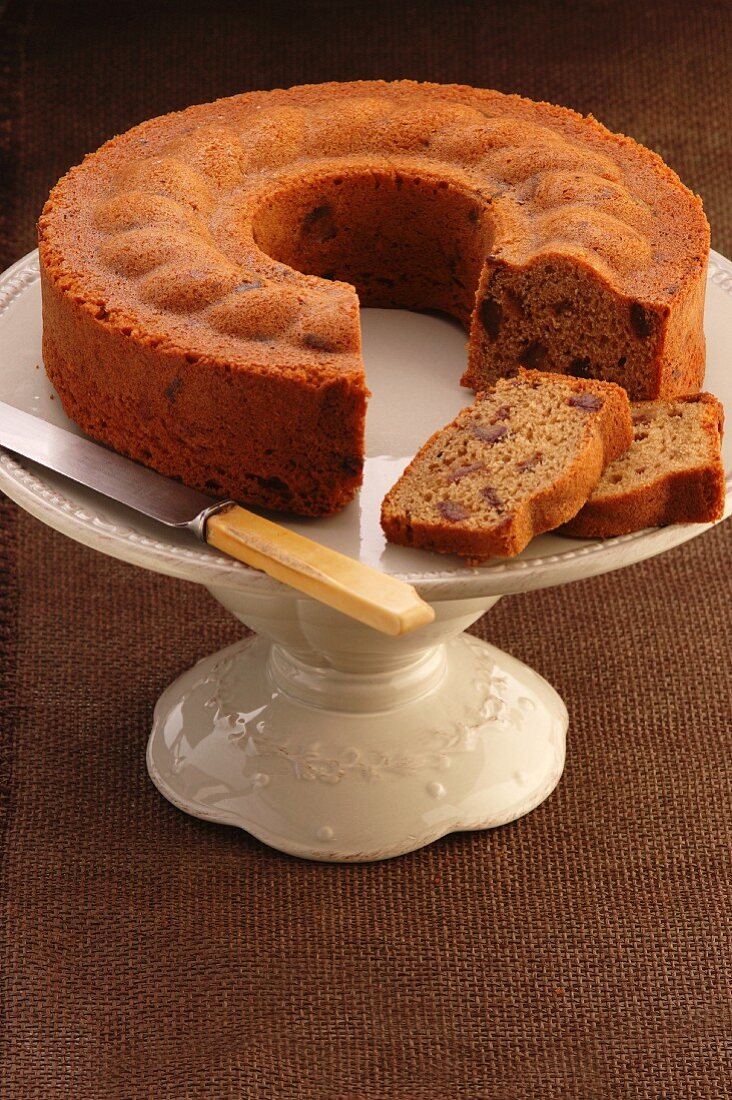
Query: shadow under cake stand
column 318, row 735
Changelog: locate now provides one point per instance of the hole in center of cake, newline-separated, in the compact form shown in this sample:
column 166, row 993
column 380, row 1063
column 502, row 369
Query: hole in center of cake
column 402, row 240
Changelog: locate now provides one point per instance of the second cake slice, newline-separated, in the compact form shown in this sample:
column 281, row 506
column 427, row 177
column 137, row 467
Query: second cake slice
column 521, row 460
column 673, row 473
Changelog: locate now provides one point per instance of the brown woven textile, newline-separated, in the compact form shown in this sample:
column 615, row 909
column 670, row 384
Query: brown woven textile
column 582, row 952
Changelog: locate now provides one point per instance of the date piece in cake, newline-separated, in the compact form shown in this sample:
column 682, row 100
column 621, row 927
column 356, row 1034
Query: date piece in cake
column 521, row 460
column 672, row 473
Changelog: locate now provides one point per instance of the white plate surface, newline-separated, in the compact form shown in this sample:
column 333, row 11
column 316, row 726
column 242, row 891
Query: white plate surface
column 413, row 363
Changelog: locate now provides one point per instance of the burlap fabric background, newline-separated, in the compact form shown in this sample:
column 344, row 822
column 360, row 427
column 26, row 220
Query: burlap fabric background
column 582, row 952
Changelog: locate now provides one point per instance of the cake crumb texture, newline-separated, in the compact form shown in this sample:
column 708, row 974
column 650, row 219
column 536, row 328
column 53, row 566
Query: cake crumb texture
column 520, row 461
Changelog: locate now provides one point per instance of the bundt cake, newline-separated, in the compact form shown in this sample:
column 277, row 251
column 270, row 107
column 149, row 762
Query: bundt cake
column 672, row 472
column 520, row 460
column 201, row 273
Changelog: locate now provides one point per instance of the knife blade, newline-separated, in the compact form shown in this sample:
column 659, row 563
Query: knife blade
column 383, row 602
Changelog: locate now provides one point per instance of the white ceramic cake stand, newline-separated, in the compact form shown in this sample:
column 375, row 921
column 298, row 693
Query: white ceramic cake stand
column 319, row 735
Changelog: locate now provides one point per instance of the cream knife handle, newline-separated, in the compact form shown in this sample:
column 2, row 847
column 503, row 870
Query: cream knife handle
column 382, row 602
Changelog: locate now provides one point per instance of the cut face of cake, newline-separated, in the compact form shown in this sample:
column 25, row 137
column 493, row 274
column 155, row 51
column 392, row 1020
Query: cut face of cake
column 672, row 473
column 519, row 461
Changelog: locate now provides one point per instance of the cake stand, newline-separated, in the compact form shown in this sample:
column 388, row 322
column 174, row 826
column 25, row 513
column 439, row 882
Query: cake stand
column 319, row 735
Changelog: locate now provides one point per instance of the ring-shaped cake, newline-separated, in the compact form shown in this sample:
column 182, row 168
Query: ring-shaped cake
column 202, row 273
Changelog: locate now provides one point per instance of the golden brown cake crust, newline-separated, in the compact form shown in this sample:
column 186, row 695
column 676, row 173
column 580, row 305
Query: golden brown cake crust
column 520, row 461
column 200, row 271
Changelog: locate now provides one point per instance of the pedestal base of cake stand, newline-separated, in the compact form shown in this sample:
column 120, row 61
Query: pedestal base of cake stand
column 329, row 741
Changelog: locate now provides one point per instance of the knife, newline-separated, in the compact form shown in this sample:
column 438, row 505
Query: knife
column 381, row 601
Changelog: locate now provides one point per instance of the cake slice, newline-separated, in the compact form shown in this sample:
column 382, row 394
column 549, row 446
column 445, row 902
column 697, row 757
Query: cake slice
column 521, row 460
column 672, row 473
